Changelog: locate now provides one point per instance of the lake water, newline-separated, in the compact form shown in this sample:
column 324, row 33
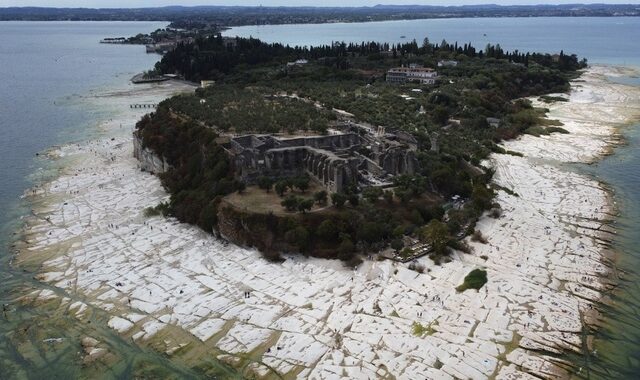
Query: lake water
column 600, row 39
column 46, row 68
column 49, row 67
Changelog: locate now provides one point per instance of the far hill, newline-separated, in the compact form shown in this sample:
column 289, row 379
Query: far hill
column 251, row 15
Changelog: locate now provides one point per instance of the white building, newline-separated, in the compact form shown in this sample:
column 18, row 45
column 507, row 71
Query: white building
column 299, row 62
column 447, row 63
column 413, row 73
column 207, row 83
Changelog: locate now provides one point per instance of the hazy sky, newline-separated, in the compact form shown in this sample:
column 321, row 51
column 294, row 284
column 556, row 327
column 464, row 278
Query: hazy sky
column 155, row 3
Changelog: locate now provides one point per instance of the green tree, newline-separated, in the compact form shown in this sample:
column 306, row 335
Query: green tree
column 436, row 233
column 370, row 232
column 482, row 197
column 388, row 196
column 397, row 244
column 290, row 203
column 208, row 217
column 398, row 232
column 327, row 230
column 265, row 183
column 299, row 237
column 240, row 187
column 440, row 115
column 301, row 183
column 305, row 205
column 345, row 250
column 320, row 197
column 403, row 194
column 372, row 194
column 338, row 199
column 280, row 188
column 416, row 217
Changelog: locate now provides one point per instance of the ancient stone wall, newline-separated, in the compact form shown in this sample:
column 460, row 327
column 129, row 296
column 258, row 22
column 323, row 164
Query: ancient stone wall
column 333, row 160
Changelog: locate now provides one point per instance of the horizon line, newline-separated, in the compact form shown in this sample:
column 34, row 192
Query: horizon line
column 331, row 6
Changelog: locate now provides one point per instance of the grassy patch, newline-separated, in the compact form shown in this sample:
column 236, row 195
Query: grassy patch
column 474, row 280
column 161, row 209
column 418, row 329
column 540, row 131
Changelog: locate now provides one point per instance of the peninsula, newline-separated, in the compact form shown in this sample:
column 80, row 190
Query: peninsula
column 182, row 292
column 437, row 173
column 344, row 150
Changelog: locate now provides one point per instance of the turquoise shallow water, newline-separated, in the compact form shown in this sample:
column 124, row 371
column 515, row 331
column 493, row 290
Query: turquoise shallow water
column 618, row 342
column 48, row 69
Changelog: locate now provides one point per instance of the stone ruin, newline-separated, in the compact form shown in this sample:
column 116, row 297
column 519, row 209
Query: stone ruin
column 357, row 156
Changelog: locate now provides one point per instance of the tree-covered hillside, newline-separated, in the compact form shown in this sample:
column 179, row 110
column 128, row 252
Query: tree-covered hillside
column 458, row 121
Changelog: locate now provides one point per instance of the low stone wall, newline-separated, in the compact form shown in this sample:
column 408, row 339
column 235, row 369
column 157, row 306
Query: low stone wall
column 148, row 160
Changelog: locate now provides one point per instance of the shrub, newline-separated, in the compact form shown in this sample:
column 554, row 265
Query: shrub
column 478, row 237
column 460, row 245
column 417, row 267
column 418, row 329
column 474, row 280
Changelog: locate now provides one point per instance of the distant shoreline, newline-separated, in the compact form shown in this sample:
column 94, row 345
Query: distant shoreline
column 251, row 15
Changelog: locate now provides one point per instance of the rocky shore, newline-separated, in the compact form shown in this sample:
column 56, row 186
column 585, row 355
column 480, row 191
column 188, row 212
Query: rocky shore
column 183, row 292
